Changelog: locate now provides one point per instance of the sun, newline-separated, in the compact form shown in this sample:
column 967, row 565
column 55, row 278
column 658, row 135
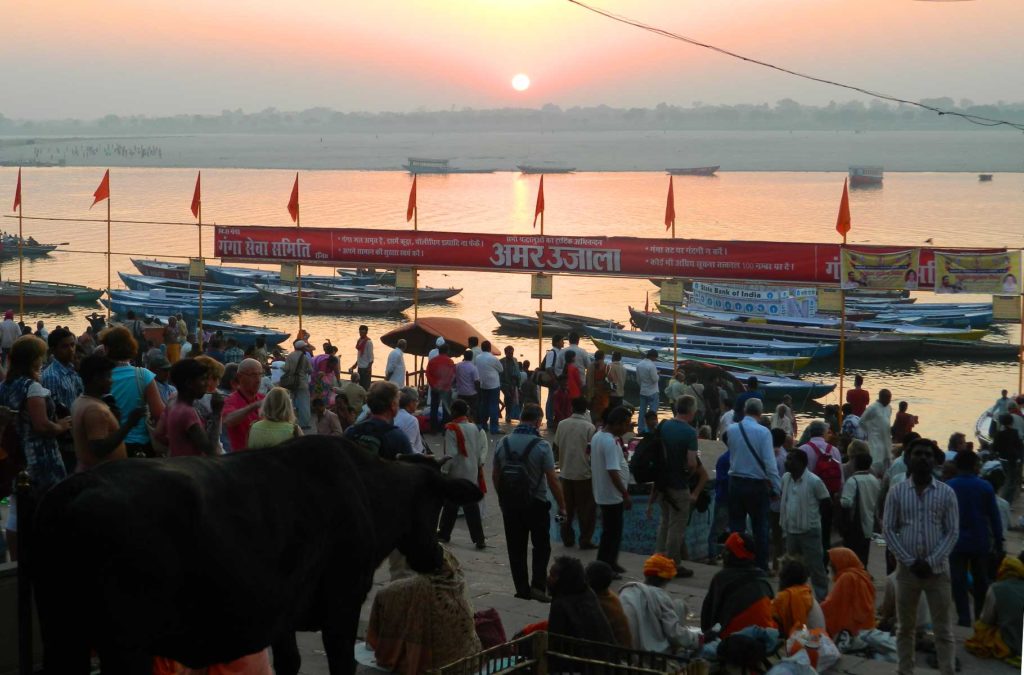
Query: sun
column 521, row 82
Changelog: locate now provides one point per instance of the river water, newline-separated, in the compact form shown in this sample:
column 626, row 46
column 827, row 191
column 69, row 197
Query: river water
column 952, row 209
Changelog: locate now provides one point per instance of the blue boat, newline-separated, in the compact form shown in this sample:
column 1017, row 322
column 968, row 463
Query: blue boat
column 814, row 350
column 138, row 282
column 143, row 308
column 159, row 297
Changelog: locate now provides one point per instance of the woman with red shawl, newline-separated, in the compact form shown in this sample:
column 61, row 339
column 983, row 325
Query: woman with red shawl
column 740, row 594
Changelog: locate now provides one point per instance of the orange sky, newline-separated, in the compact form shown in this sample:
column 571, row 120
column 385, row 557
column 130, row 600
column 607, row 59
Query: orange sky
column 72, row 58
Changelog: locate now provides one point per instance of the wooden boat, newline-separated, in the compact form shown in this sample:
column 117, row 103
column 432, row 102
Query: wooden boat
column 781, row 363
column 578, row 322
column 535, row 169
column 161, row 268
column 241, row 276
column 984, row 177
column 425, row 294
column 861, row 176
column 80, row 294
column 971, row 349
column 938, row 319
column 30, row 248
column 315, row 300
column 521, row 324
column 187, row 287
column 367, row 275
column 11, row 295
column 121, row 306
column 245, row 334
column 417, row 165
column 858, row 343
column 814, row 350
column 694, row 171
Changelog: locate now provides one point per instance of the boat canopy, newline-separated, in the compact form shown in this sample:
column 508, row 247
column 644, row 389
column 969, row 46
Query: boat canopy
column 421, row 335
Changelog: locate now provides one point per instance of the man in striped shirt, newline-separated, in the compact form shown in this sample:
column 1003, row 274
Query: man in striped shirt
column 921, row 526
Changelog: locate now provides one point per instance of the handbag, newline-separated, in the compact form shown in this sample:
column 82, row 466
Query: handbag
column 159, row 448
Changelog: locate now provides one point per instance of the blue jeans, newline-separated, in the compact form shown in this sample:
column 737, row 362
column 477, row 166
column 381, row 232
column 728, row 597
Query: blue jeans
column 300, row 397
column 646, row 403
column 749, row 497
column 488, row 410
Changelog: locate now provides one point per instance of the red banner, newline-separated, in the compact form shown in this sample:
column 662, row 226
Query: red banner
column 799, row 263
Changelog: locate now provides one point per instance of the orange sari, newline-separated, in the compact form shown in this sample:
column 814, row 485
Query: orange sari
column 791, row 607
column 850, row 605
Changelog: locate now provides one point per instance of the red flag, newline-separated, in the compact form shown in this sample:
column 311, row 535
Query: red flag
column 293, row 203
column 103, row 191
column 540, row 202
column 17, row 193
column 197, row 196
column 670, row 207
column 843, row 221
column 411, row 209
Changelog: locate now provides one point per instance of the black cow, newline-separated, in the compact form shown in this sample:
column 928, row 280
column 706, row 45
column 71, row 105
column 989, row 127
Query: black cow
column 205, row 560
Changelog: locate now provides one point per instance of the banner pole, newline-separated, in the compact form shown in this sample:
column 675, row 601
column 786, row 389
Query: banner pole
column 842, row 332
column 1020, row 346
column 540, row 315
column 21, row 269
column 415, row 270
column 298, row 268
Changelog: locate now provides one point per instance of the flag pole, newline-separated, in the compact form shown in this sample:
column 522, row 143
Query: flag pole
column 415, row 270
column 298, row 268
column 842, row 330
column 540, row 313
column 21, row 259
column 1020, row 346
column 199, row 324
column 109, row 299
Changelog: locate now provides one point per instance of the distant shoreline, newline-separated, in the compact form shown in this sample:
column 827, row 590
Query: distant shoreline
column 587, row 151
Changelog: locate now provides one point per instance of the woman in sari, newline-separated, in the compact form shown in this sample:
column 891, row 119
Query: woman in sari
column 850, row 605
column 172, row 340
column 597, row 386
column 423, row 622
column 997, row 632
column 325, row 380
column 795, row 607
column 740, row 594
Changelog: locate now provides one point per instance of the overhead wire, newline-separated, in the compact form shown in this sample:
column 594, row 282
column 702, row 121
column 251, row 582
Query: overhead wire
column 973, row 119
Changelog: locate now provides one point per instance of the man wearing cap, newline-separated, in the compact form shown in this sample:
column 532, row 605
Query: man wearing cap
column 364, row 357
column 297, row 369
column 647, row 377
column 161, row 367
column 438, row 346
column 655, row 617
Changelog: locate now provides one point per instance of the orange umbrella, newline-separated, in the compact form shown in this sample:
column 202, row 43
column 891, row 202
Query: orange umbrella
column 421, row 335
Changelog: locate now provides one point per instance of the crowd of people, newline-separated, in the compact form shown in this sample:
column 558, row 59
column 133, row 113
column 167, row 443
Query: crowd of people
column 794, row 515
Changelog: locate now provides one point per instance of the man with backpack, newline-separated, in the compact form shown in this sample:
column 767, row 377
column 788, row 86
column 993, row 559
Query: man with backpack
column 825, row 462
column 378, row 432
column 295, row 378
column 524, row 471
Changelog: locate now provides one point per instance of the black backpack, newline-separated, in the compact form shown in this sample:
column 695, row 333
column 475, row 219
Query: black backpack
column 649, row 461
column 515, row 489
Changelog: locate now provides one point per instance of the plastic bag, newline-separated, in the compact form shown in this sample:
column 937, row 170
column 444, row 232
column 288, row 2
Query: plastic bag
column 821, row 650
column 798, row 664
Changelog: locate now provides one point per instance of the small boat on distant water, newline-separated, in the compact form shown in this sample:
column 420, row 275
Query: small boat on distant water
column 521, row 324
column 694, row 171
column 861, row 176
column 540, row 168
column 423, row 294
column 80, row 294
column 30, row 248
column 419, row 165
column 578, row 322
column 984, row 177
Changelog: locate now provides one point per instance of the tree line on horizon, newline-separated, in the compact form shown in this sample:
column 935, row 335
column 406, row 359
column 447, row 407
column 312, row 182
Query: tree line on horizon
column 785, row 115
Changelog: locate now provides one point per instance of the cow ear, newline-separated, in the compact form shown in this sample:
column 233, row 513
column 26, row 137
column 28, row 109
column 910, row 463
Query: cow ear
column 460, row 490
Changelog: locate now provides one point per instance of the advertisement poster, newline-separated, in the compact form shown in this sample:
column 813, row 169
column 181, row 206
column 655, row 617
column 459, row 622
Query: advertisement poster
column 993, row 273
column 898, row 270
column 758, row 301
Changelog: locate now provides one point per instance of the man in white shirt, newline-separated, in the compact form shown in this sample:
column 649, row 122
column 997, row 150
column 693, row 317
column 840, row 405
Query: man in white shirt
column 438, row 344
column 571, row 440
column 549, row 366
column 394, row 371
column 610, row 477
column 803, row 495
column 489, row 368
column 364, row 357
column 583, row 360
column 466, row 448
column 647, row 377
column 753, row 477
column 861, row 491
column 408, row 402
column 876, row 426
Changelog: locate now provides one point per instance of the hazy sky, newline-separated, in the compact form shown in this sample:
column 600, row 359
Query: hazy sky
column 78, row 58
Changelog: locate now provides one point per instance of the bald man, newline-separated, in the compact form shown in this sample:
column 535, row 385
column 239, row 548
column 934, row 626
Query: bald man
column 242, row 407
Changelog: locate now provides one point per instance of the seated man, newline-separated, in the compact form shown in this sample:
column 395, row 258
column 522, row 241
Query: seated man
column 599, row 578
column 850, row 606
column 795, row 607
column 655, row 618
column 740, row 594
column 997, row 632
column 424, row 621
column 575, row 611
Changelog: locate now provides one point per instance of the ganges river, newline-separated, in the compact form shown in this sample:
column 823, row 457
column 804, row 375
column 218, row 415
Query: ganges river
column 952, row 209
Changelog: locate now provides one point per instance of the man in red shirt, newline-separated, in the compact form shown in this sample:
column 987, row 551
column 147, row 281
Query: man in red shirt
column 858, row 398
column 242, row 408
column 440, row 377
